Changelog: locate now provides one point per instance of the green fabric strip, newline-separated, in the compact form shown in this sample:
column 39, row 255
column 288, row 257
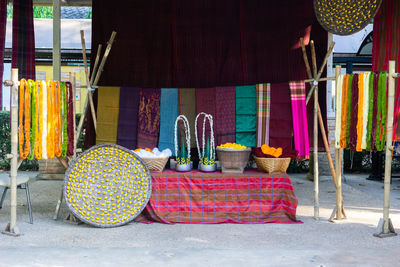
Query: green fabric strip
column 349, row 109
column 246, row 115
column 381, row 114
column 370, row 110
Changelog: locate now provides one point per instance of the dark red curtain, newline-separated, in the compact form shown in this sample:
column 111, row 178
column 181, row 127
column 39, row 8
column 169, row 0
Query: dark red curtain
column 3, row 22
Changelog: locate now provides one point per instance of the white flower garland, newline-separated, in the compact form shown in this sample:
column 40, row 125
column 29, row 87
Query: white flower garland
column 212, row 144
column 187, row 133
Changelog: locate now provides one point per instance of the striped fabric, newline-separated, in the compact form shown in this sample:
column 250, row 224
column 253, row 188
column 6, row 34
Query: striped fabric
column 263, row 113
column 3, row 21
column 225, row 121
column 299, row 115
column 149, row 118
column 23, row 39
column 107, row 114
column 386, row 46
column 195, row 197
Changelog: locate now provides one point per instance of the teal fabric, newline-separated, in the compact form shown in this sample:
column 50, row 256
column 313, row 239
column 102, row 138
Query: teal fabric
column 168, row 113
column 246, row 115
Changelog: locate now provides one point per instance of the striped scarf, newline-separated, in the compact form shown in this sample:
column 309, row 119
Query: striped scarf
column 263, row 113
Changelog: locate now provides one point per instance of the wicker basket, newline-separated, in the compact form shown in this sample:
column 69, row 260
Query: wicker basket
column 233, row 160
column 272, row 165
column 155, row 164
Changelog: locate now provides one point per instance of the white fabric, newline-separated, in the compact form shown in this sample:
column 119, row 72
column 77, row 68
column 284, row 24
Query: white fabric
column 339, row 85
column 166, row 153
column 365, row 110
column 44, row 121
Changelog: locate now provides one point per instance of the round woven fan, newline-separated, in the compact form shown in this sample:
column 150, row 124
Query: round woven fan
column 344, row 17
column 107, row 186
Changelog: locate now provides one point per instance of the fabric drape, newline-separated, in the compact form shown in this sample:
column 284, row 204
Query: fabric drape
column 365, row 110
column 149, row 118
column 371, row 97
column 44, row 121
column 246, row 115
column 169, row 110
column 128, row 117
column 353, row 113
column 3, row 23
column 70, row 119
column 205, row 102
column 343, row 117
column 338, row 111
column 360, row 111
column 187, row 107
column 263, row 113
column 225, row 125
column 107, row 115
column 374, row 113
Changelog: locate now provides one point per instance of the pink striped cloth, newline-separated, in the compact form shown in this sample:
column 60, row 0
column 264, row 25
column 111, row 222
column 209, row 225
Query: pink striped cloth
column 299, row 114
column 263, row 113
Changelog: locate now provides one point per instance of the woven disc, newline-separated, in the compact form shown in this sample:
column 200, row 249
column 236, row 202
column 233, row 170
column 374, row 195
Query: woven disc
column 107, row 186
column 344, row 17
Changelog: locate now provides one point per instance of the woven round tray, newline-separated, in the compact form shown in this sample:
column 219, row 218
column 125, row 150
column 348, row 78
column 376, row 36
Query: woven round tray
column 344, row 17
column 272, row 165
column 107, row 186
column 155, row 164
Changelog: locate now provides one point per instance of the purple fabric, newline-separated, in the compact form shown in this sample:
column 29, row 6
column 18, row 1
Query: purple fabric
column 225, row 119
column 354, row 113
column 128, row 117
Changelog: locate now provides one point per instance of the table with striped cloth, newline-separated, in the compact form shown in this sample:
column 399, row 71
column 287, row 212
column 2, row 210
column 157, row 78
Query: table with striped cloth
column 196, row 197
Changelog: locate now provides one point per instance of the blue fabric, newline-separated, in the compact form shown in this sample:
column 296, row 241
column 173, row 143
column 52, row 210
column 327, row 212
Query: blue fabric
column 168, row 112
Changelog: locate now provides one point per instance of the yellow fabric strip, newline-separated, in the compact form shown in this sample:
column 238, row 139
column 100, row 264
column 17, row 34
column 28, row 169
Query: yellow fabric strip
column 107, row 114
column 360, row 111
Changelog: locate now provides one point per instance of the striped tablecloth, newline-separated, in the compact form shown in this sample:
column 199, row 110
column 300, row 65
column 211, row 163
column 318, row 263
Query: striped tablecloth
column 196, row 197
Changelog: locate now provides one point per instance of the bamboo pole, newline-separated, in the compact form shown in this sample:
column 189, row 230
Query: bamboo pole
column 321, row 79
column 386, row 227
column 313, row 59
column 12, row 228
column 305, row 58
column 104, row 59
column 96, row 63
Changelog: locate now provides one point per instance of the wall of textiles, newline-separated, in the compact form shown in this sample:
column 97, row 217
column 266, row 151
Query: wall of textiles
column 361, row 109
column 46, row 119
column 249, row 115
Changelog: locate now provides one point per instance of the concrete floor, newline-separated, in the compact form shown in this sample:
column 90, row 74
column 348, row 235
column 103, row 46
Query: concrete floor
column 313, row 243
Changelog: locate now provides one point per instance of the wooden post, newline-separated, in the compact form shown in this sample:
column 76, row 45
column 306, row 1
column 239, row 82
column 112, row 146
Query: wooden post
column 385, row 227
column 12, row 228
column 57, row 40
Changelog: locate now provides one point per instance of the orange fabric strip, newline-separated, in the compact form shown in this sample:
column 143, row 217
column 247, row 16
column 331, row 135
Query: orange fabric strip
column 360, row 111
column 343, row 125
column 24, row 119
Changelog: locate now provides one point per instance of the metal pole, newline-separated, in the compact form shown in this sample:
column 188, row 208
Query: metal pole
column 316, row 177
column 57, row 40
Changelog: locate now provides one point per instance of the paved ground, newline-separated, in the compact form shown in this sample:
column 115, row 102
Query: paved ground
column 313, row 243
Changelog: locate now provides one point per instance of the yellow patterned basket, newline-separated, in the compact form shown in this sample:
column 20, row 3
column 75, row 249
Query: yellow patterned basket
column 272, row 165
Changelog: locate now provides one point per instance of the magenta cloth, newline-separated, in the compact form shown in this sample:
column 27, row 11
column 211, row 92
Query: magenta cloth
column 205, row 102
column 299, row 117
column 3, row 23
column 225, row 119
column 196, row 197
column 149, row 118
column 23, row 39
column 280, row 125
column 128, row 117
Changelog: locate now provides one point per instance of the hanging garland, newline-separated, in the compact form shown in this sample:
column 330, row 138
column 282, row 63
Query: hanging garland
column 38, row 119
column 381, row 114
column 70, row 119
column 33, row 115
column 57, row 119
column 182, row 158
column 50, row 119
column 207, row 156
column 24, row 119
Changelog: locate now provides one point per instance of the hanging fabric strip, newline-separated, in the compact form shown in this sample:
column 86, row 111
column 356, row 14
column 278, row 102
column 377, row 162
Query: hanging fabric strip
column 360, row 111
column 107, row 114
column 349, row 109
column 149, row 118
column 381, row 114
column 33, row 115
column 263, row 113
column 225, row 122
column 370, row 109
column 338, row 111
column 63, row 115
column 24, row 119
column 3, row 22
column 205, row 102
column 50, row 119
column 44, row 121
column 169, row 112
column 38, row 119
column 365, row 110
column 374, row 113
column 187, row 107
column 57, row 119
column 343, row 117
column 70, row 119
column 246, row 115
column 353, row 113
column 299, row 116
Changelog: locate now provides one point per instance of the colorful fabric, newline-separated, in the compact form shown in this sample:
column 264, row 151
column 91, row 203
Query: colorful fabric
column 187, row 107
column 360, row 111
column 349, row 109
column 33, row 113
column 299, row 116
column 353, row 113
column 149, row 118
column 107, row 114
column 263, row 113
column 196, row 197
column 386, row 46
column 365, row 110
column 23, row 39
column 205, row 102
column 371, row 105
column 128, row 117
column 44, row 118
column 281, row 126
column 169, row 110
column 70, row 119
column 343, row 117
column 24, row 121
column 338, row 110
column 246, row 115
column 3, row 23
column 225, row 121
column 374, row 113
column 381, row 112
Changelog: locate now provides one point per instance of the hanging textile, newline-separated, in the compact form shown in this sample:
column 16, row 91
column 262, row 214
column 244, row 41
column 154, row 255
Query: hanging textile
column 70, row 119
column 371, row 105
column 107, row 115
column 374, row 113
column 169, row 112
column 33, row 114
column 63, row 116
column 3, row 23
column 225, row 122
column 360, row 111
column 50, row 119
column 299, row 117
column 263, row 113
column 205, row 102
column 338, row 111
column 44, row 120
column 281, row 126
column 23, row 39
column 187, row 107
column 57, row 119
column 386, row 46
column 381, row 112
column 343, row 117
column 349, row 109
column 128, row 117
column 38, row 120
column 246, row 115
column 24, row 119
column 353, row 113
column 149, row 118
column 365, row 110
